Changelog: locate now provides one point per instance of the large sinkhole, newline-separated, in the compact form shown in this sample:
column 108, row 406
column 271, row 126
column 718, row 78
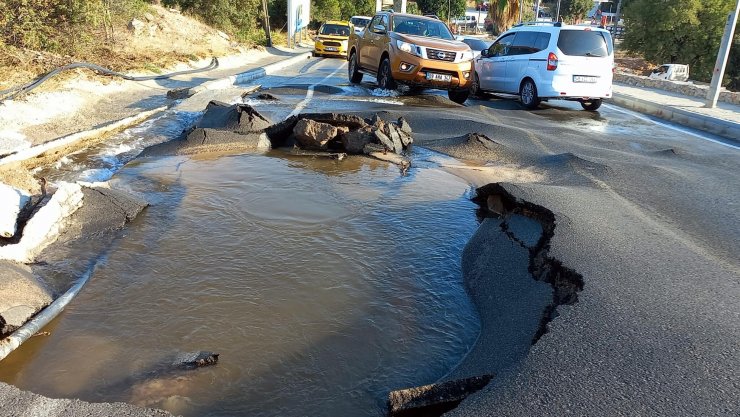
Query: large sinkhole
column 323, row 285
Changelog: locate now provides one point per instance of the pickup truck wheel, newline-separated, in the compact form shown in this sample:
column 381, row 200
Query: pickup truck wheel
column 591, row 105
column 385, row 78
column 355, row 76
column 528, row 95
column 458, row 96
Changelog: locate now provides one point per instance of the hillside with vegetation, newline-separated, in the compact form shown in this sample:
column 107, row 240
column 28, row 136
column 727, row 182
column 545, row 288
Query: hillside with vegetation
column 38, row 35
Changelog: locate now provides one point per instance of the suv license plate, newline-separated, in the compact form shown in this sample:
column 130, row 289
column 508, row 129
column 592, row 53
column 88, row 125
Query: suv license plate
column 331, row 49
column 439, row 77
column 584, row 79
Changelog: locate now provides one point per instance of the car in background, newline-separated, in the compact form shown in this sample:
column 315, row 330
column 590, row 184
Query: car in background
column 475, row 44
column 545, row 61
column 332, row 39
column 413, row 50
column 673, row 72
column 359, row 22
column 467, row 21
column 482, row 6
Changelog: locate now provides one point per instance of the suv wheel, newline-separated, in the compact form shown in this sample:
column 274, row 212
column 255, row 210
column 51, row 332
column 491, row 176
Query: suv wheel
column 458, row 96
column 385, row 78
column 355, row 76
column 475, row 87
column 591, row 105
column 528, row 94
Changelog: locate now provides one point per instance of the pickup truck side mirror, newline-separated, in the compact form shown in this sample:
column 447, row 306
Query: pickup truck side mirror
column 379, row 29
column 484, row 53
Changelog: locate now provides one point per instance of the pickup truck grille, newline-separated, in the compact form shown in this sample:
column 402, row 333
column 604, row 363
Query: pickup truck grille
column 331, row 43
column 441, row 55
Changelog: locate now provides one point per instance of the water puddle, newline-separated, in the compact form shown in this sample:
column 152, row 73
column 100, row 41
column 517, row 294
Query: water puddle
column 322, row 284
column 101, row 161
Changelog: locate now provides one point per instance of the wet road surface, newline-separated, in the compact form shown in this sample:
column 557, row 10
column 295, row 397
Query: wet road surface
column 645, row 211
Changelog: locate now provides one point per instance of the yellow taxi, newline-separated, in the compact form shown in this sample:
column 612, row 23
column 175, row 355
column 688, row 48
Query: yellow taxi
column 332, row 39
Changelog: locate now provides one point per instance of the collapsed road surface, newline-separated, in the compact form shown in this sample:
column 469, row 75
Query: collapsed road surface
column 643, row 213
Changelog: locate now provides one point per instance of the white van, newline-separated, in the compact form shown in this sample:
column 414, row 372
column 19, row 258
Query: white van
column 468, row 21
column 360, row 23
column 546, row 61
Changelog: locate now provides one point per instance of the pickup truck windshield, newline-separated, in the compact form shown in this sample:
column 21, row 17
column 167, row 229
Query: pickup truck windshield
column 338, row 30
column 421, row 27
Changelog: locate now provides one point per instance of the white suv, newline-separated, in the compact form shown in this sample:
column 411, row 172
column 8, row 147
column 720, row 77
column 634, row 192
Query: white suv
column 545, row 61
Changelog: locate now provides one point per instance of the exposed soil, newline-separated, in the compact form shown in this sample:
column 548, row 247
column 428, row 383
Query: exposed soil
column 632, row 64
column 173, row 38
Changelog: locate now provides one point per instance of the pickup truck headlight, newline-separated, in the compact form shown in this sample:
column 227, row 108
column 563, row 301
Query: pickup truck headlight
column 408, row 47
column 466, row 56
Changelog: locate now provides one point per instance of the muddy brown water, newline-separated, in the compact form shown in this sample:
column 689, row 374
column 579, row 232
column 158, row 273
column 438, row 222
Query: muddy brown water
column 322, row 284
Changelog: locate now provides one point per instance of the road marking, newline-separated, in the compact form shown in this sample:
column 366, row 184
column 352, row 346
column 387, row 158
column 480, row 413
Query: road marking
column 676, row 128
column 309, row 94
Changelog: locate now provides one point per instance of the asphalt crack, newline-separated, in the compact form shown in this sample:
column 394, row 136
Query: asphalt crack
column 496, row 201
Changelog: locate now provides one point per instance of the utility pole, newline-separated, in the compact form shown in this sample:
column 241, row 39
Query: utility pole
column 266, row 21
column 537, row 11
column 557, row 15
column 722, row 55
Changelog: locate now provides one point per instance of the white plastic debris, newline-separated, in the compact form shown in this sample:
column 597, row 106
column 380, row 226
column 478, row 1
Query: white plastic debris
column 46, row 225
column 12, row 201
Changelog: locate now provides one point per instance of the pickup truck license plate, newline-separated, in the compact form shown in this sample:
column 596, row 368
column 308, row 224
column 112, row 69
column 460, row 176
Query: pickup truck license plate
column 585, row 79
column 439, row 77
column 331, row 49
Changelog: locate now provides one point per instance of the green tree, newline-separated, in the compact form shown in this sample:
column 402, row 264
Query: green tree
column 575, row 10
column 240, row 17
column 732, row 79
column 356, row 8
column 441, row 7
column 323, row 10
column 413, row 8
column 679, row 31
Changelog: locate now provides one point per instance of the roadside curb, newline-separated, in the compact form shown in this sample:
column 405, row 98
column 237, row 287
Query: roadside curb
column 249, row 75
column 106, row 129
column 720, row 127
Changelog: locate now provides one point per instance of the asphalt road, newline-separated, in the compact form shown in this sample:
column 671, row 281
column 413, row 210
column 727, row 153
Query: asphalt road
column 645, row 211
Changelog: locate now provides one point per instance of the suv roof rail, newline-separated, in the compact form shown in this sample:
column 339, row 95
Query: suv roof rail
column 533, row 23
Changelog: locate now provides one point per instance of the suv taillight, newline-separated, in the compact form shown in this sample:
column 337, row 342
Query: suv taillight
column 552, row 62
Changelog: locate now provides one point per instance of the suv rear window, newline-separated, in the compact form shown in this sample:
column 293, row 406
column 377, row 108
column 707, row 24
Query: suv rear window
column 584, row 43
